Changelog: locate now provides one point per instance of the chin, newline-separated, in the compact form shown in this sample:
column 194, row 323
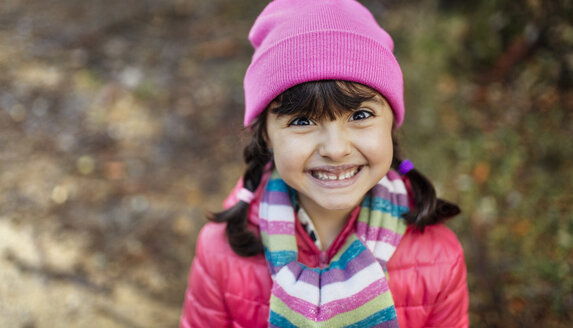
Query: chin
column 332, row 205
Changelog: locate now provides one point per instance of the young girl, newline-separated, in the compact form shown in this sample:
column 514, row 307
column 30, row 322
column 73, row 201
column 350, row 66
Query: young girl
column 329, row 226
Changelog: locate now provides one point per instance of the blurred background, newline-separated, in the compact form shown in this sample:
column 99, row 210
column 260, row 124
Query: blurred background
column 121, row 127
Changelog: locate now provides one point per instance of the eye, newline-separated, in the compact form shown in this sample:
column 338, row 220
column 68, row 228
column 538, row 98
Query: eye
column 360, row 114
column 300, row 121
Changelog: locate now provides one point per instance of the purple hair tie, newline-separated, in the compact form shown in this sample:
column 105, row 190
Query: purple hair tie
column 245, row 195
column 405, row 167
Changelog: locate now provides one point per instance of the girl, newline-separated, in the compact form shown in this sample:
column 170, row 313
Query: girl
column 329, row 226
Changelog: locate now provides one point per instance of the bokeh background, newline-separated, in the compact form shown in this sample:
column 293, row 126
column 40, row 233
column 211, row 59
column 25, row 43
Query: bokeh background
column 121, row 126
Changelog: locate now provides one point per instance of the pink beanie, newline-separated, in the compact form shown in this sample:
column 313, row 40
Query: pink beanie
column 299, row 41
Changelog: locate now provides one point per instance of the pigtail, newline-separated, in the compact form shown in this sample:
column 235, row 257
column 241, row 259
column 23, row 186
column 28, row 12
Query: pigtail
column 428, row 208
column 243, row 240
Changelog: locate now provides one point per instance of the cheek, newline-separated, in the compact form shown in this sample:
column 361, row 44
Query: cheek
column 283, row 163
column 379, row 149
column 289, row 156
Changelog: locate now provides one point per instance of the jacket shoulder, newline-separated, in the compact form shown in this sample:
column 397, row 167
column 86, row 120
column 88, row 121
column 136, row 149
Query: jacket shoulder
column 437, row 244
column 212, row 240
column 212, row 244
column 244, row 282
column 427, row 277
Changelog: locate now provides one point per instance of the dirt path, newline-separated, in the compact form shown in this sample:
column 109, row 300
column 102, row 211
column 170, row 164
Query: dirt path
column 40, row 289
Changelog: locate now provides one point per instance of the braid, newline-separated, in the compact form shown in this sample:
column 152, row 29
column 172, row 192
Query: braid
column 256, row 155
column 428, row 208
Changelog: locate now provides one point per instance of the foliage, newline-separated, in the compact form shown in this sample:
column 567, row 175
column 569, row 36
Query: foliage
column 490, row 94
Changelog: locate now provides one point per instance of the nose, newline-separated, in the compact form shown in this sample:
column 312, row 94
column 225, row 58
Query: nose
column 335, row 143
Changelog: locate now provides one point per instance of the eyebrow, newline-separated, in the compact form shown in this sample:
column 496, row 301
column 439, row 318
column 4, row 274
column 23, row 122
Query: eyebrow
column 377, row 99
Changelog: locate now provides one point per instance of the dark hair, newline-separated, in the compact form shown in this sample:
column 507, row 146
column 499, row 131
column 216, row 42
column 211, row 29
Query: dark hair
column 319, row 99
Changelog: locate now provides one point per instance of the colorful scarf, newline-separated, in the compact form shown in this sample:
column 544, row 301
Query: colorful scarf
column 352, row 291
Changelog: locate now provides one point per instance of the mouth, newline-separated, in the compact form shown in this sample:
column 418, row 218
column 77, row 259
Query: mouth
column 335, row 174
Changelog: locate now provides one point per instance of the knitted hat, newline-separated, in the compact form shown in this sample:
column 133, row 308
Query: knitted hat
column 299, row 41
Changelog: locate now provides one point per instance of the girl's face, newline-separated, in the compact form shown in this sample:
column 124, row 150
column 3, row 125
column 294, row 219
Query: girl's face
column 333, row 163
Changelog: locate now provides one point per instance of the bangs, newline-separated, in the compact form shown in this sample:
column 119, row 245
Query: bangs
column 318, row 100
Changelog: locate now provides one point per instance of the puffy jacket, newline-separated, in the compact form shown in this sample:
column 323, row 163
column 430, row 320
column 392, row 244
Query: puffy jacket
column 427, row 278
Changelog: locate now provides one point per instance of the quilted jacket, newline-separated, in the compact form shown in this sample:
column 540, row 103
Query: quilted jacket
column 427, row 278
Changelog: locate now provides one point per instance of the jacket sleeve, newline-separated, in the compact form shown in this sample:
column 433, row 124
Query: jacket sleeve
column 451, row 308
column 204, row 304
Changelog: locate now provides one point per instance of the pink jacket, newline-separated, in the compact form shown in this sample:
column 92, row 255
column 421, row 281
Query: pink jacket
column 427, row 277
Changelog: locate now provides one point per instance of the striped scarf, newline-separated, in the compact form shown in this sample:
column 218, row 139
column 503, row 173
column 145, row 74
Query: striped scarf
column 352, row 291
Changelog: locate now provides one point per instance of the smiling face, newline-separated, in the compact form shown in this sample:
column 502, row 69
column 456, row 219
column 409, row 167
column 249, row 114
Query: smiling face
column 334, row 159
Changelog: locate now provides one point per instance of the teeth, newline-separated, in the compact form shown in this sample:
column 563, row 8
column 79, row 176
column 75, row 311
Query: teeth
column 329, row 176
